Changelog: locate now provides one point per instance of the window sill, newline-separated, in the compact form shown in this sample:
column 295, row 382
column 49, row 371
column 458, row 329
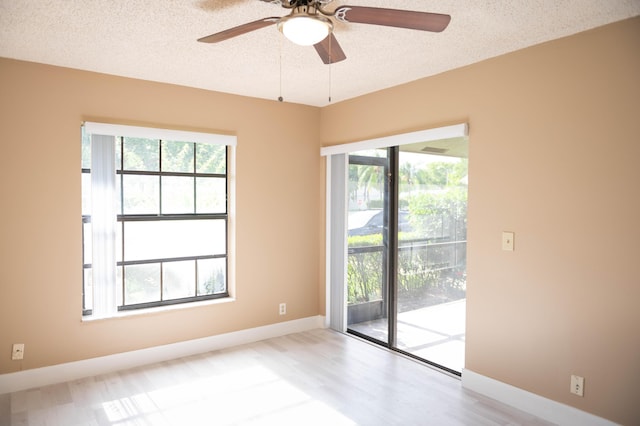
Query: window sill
column 159, row 309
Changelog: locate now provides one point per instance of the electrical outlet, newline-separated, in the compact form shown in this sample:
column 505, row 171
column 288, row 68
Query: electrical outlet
column 17, row 352
column 283, row 308
column 507, row 241
column 577, row 385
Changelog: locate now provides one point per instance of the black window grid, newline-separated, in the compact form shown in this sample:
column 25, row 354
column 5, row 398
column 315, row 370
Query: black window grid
column 122, row 218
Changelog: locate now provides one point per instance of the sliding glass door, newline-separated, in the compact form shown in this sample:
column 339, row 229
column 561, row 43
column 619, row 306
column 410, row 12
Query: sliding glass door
column 406, row 263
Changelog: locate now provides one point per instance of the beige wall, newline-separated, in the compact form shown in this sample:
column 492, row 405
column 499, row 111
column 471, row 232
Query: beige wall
column 554, row 152
column 278, row 205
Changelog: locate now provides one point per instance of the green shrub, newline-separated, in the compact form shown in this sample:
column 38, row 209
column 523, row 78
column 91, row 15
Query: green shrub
column 421, row 270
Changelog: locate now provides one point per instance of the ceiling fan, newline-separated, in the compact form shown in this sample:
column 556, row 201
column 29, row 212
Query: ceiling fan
column 309, row 23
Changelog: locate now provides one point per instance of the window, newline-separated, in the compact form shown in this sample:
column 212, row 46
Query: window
column 155, row 219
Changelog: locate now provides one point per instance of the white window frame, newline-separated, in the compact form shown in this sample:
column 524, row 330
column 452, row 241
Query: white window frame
column 104, row 210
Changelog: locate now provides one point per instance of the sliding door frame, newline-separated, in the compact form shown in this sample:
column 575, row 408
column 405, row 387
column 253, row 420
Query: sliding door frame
column 392, row 245
column 336, row 227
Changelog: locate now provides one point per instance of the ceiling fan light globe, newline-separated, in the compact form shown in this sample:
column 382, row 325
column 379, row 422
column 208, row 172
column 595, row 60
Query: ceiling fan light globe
column 305, row 30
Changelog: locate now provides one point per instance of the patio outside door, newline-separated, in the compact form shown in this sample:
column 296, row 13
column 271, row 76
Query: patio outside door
column 406, row 272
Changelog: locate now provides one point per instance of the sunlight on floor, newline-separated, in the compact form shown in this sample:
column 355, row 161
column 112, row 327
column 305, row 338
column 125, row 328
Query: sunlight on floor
column 254, row 395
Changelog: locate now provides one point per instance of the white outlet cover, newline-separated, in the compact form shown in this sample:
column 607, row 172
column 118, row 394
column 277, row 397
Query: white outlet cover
column 507, row 241
column 577, row 385
column 17, row 351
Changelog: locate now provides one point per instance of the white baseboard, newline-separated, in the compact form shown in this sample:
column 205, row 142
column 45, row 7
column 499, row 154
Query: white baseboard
column 21, row 380
column 528, row 402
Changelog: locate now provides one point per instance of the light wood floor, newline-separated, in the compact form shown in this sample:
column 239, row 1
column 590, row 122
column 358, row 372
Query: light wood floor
column 318, row 377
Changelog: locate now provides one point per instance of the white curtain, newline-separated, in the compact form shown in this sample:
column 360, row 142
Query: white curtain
column 103, row 225
column 337, row 180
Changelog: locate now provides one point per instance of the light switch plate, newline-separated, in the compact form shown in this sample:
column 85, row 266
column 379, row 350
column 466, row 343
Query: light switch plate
column 507, row 241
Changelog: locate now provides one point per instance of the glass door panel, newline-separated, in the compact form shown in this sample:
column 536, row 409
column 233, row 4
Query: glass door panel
column 367, row 301
column 431, row 263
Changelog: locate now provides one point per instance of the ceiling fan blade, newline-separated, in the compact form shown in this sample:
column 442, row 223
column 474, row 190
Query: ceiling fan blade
column 239, row 30
column 423, row 21
column 329, row 50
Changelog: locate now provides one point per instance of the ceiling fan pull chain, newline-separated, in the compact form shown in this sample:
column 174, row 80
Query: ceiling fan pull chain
column 330, row 67
column 280, row 98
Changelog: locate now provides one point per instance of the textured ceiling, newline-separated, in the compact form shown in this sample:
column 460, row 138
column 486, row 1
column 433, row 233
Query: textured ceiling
column 156, row 40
